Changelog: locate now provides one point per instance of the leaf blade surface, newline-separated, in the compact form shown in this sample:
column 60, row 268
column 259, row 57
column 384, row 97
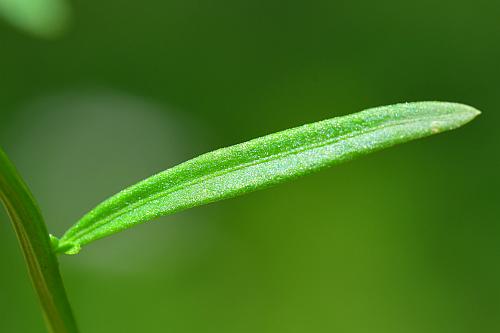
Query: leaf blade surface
column 263, row 162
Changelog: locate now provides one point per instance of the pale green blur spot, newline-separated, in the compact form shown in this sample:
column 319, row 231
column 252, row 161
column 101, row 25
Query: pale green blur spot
column 44, row 18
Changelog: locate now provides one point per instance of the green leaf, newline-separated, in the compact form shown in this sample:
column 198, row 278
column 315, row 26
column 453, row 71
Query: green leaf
column 34, row 240
column 45, row 18
column 262, row 162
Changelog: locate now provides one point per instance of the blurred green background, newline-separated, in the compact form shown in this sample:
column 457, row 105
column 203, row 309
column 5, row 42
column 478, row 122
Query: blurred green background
column 406, row 240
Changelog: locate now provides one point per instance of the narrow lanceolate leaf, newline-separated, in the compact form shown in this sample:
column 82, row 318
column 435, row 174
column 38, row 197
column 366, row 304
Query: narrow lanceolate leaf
column 262, row 162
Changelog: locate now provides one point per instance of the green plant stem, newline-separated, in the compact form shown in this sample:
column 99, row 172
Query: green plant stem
column 33, row 237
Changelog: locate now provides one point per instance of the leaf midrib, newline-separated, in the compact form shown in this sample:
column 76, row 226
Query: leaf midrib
column 198, row 180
